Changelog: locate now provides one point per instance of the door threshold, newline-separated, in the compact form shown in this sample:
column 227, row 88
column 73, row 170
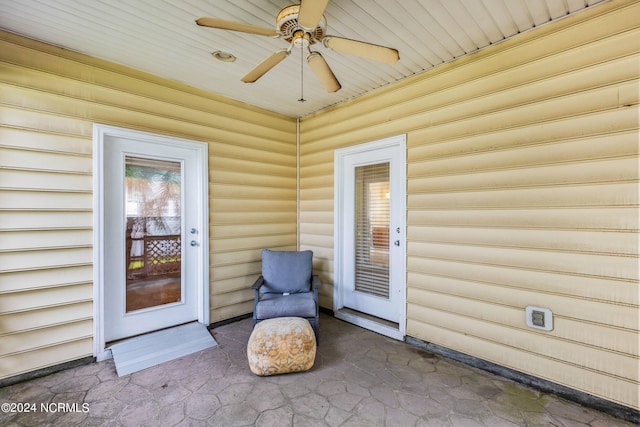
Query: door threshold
column 119, row 340
column 372, row 323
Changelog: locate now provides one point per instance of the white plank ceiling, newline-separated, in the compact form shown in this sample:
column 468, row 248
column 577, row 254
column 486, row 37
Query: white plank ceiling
column 161, row 37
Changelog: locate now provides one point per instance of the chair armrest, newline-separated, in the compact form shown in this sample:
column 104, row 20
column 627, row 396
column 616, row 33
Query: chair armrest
column 315, row 282
column 258, row 283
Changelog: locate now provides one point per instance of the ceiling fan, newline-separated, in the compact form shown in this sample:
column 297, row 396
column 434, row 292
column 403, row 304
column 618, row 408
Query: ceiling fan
column 303, row 25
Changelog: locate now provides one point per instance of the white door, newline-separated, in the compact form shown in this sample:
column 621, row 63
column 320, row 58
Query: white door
column 370, row 214
column 152, row 240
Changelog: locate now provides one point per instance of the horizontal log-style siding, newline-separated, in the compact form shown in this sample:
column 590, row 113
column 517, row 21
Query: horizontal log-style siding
column 522, row 166
column 49, row 100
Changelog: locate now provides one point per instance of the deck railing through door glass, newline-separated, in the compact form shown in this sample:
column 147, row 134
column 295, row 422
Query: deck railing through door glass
column 153, row 232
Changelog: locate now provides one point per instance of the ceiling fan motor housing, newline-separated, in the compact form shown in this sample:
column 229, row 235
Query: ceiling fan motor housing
column 287, row 24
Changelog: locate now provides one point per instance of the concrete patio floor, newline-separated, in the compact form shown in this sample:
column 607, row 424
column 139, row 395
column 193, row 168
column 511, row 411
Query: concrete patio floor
column 359, row 379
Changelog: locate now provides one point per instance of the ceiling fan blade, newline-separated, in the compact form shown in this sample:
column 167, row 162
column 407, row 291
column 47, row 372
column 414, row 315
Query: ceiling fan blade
column 236, row 26
column 310, row 13
column 322, row 71
column 365, row 50
column 265, row 66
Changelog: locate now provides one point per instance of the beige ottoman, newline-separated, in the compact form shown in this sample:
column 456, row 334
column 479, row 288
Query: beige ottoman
column 281, row 345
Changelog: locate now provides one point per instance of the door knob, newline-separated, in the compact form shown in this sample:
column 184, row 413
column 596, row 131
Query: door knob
column 193, row 243
column 397, row 243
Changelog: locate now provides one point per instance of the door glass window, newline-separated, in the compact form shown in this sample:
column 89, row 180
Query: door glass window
column 153, row 232
column 372, row 229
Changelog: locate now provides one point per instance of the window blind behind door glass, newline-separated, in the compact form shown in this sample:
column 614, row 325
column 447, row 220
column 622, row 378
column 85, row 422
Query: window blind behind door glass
column 372, row 229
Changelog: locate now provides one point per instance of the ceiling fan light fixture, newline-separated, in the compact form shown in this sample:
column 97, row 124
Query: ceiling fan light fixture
column 301, row 39
column 223, row 56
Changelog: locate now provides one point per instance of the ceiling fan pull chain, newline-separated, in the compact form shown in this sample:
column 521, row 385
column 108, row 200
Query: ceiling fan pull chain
column 301, row 74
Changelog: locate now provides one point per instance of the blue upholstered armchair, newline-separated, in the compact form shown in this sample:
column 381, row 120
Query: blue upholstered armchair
column 287, row 287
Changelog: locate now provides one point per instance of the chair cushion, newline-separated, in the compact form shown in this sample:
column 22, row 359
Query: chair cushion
column 286, row 271
column 278, row 305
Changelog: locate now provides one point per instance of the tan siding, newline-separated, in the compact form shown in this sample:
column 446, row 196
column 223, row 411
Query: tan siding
column 62, row 162
column 565, row 173
column 37, row 259
column 230, row 311
column 247, row 206
column 43, row 200
column 83, row 78
column 41, row 357
column 233, row 285
column 45, row 180
column 596, row 242
column 616, row 267
column 50, row 99
column 478, row 301
column 46, row 317
column 56, row 295
column 228, row 191
column 17, row 219
column 236, row 271
column 230, row 298
column 266, row 229
column 36, row 279
column 609, row 219
column 44, row 142
column 254, row 217
column 22, row 240
column 218, row 163
column 579, row 286
column 454, row 313
column 243, row 243
column 522, row 181
column 51, row 335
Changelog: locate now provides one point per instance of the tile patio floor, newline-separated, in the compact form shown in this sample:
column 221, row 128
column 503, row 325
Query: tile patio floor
column 359, row 379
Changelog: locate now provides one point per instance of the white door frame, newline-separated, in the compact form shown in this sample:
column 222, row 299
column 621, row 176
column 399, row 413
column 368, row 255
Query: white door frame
column 100, row 133
column 398, row 142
